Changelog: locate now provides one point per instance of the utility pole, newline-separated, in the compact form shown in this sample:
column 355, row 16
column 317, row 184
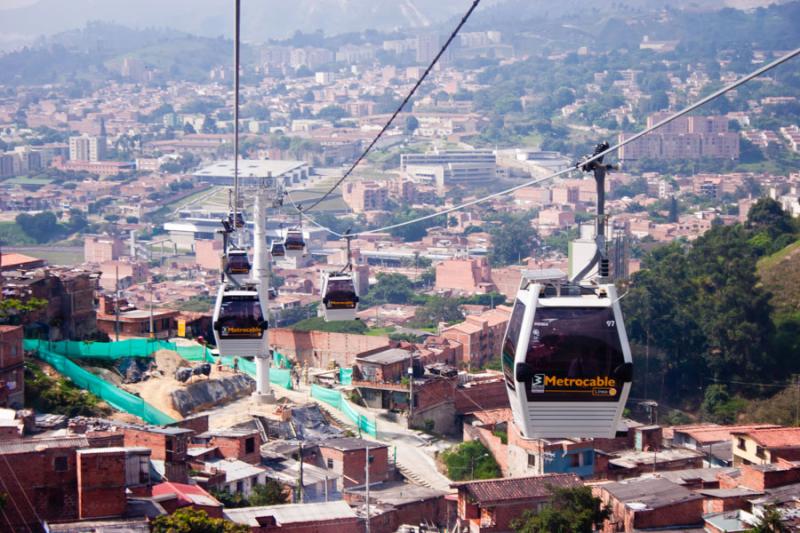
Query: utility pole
column 116, row 304
column 300, row 481
column 366, row 488
column 797, row 403
column 152, row 329
column 411, row 389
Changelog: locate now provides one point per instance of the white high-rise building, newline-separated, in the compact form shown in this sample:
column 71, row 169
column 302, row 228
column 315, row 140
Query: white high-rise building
column 85, row 148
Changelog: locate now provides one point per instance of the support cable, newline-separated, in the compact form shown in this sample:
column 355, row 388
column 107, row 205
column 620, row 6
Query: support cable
column 399, row 108
column 595, row 157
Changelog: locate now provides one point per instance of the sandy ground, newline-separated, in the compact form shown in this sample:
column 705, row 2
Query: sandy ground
column 156, row 390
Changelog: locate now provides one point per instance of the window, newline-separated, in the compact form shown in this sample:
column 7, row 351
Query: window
column 574, row 460
column 60, row 464
column 760, row 452
column 575, row 343
column 532, row 460
column 330, row 464
column 371, row 459
column 741, row 444
column 250, row 445
column 240, row 486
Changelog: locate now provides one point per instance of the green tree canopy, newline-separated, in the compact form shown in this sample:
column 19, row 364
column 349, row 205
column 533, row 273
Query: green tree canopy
column 42, row 227
column 270, row 493
column 437, row 310
column 470, row 460
column 512, row 239
column 189, row 520
column 569, row 510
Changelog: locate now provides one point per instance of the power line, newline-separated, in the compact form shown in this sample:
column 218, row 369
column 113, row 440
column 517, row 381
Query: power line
column 594, row 157
column 400, row 107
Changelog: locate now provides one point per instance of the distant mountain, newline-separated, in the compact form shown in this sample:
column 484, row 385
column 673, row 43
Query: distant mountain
column 261, row 19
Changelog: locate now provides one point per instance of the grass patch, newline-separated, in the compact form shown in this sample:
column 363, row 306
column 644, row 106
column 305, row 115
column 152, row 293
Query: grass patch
column 57, row 395
column 380, row 332
column 22, row 180
column 11, row 234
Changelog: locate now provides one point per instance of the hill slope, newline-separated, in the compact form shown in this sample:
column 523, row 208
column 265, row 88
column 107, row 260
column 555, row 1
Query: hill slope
column 780, row 274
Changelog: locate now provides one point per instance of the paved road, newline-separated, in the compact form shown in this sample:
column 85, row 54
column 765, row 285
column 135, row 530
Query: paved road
column 414, row 451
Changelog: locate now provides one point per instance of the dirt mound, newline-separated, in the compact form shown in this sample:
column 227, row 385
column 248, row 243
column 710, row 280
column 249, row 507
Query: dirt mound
column 158, row 389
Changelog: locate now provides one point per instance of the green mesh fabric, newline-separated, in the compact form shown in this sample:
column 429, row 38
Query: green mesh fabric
column 116, row 397
column 102, row 350
column 335, row 399
column 346, row 376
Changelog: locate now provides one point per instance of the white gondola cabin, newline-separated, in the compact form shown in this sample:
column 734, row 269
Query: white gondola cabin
column 339, row 297
column 237, row 266
column 239, row 323
column 277, row 249
column 294, row 244
column 566, row 359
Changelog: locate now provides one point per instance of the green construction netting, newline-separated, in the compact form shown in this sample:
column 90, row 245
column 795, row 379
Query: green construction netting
column 335, row 399
column 280, row 361
column 346, row 376
column 102, row 350
column 116, row 397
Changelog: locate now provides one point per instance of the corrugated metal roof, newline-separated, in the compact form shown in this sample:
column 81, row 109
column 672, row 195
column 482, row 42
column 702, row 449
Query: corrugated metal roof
column 31, row 445
column 291, row 513
column 650, row 493
column 350, row 443
column 524, row 488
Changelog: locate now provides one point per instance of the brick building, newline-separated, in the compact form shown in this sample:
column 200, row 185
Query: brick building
column 685, row 138
column 168, row 445
column 491, row 505
column 12, row 371
column 464, row 276
column 135, row 322
column 69, row 295
column 650, row 503
column 364, row 196
column 208, row 253
column 241, row 444
column 481, row 335
column 101, row 248
column 64, row 479
column 14, row 261
column 321, row 349
column 346, row 457
column 765, row 446
column 174, row 496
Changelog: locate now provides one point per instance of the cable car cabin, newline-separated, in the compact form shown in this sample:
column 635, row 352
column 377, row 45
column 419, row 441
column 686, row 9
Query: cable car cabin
column 239, row 323
column 237, row 266
column 294, row 244
column 240, row 223
column 566, row 359
column 277, row 249
column 339, row 301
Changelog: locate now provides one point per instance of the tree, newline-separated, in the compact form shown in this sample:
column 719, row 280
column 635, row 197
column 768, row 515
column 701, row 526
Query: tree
column 470, row 460
column 437, row 310
column 188, row 128
column 335, row 326
column 768, row 216
column 771, row 521
column 190, row 520
column 270, row 493
column 332, row 113
column 569, row 510
column 512, row 240
column 390, row 288
column 411, row 124
column 42, row 227
column 209, row 125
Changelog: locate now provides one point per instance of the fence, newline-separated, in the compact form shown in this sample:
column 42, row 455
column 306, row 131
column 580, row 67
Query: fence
column 116, row 397
column 334, row 398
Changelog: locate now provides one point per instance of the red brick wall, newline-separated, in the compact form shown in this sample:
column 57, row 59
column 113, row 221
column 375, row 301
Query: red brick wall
column 319, row 348
column 32, row 482
column 352, row 465
column 498, row 450
column 101, row 484
column 684, row 513
column 198, row 424
column 235, row 447
column 760, row 480
column 481, row 395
